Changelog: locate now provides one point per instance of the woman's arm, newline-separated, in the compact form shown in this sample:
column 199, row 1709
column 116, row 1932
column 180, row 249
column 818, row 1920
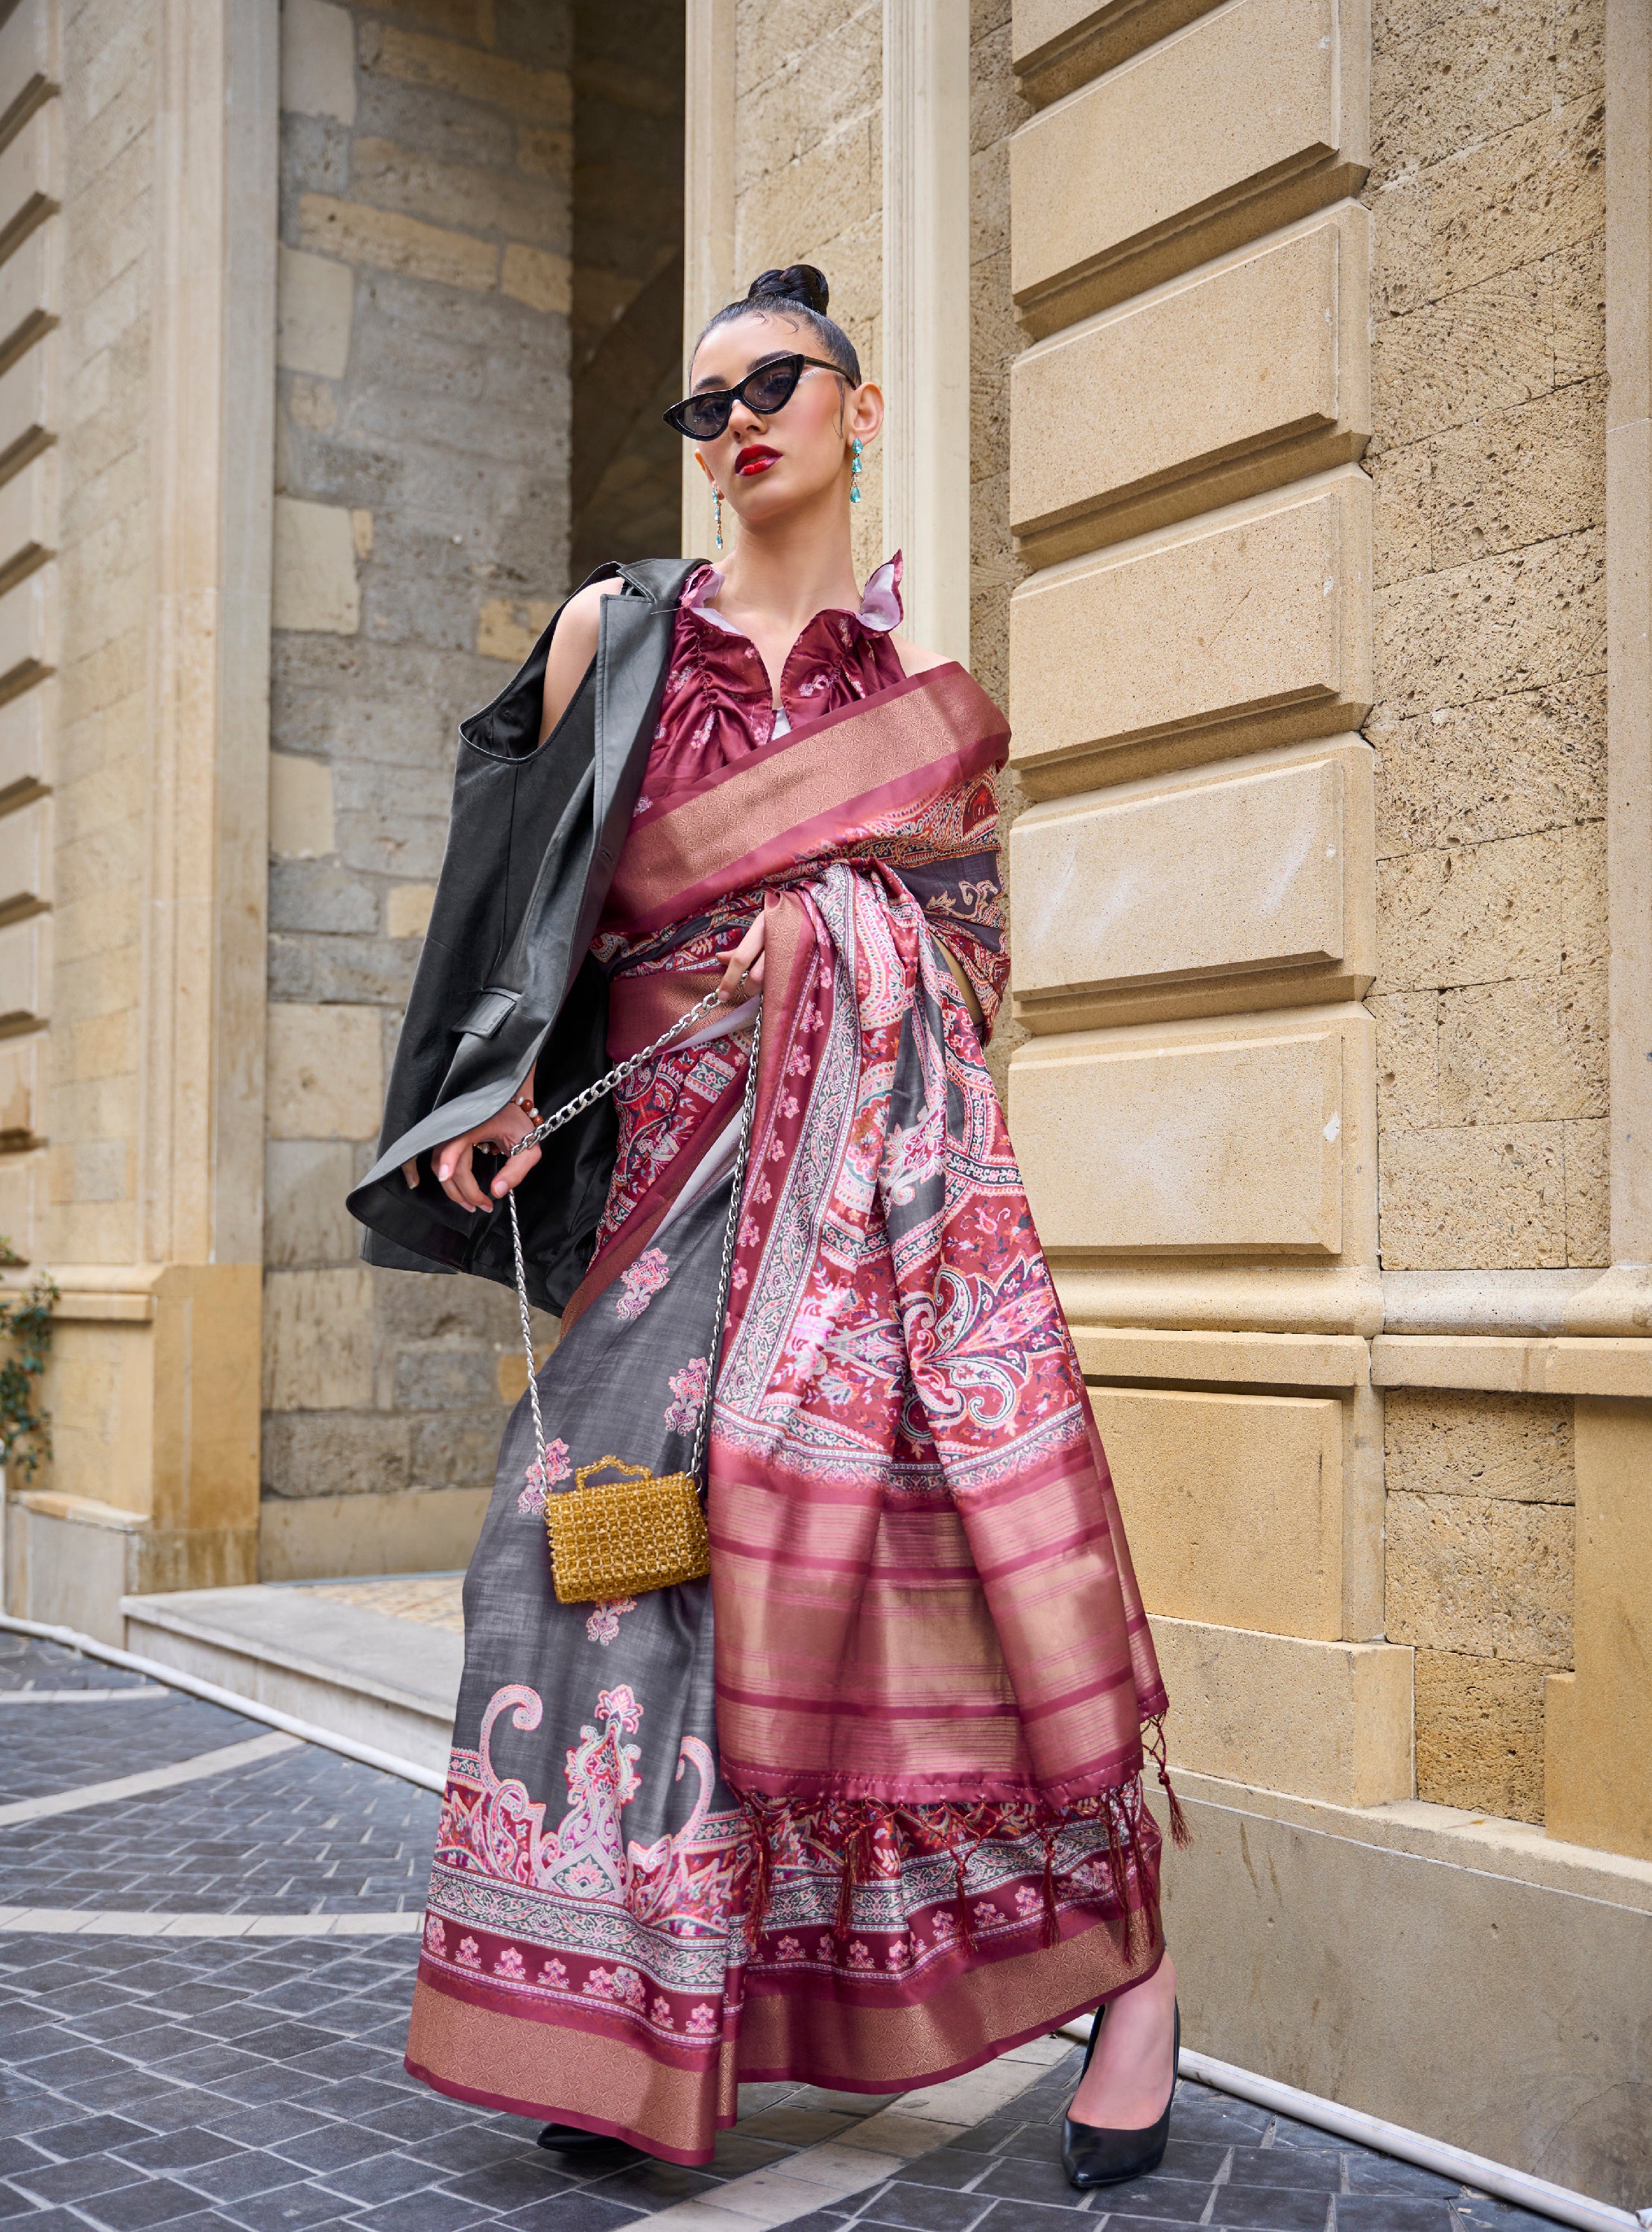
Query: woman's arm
column 572, row 648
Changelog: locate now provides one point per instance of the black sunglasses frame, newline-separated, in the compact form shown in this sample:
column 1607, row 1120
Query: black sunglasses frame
column 722, row 399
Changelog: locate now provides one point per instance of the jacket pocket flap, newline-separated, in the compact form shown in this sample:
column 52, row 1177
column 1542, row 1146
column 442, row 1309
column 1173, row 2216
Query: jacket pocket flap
column 488, row 1012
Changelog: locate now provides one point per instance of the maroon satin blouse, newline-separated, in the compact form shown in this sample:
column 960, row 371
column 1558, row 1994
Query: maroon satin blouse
column 717, row 707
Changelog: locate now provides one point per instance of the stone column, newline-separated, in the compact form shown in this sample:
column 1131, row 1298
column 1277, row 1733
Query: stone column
column 926, row 314
column 1599, row 1718
column 158, row 759
column 708, row 216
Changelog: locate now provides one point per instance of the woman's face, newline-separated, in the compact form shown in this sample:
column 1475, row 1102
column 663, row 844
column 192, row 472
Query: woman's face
column 767, row 466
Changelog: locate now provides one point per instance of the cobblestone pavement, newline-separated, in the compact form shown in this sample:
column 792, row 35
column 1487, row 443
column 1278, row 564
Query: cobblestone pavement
column 256, row 2081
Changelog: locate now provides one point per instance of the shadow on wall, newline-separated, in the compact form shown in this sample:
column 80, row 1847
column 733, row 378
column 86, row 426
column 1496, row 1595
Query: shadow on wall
column 625, row 463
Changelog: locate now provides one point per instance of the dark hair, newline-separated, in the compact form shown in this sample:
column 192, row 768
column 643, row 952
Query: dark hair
column 800, row 291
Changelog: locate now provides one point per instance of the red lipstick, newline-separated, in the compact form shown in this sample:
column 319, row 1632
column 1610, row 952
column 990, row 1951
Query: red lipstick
column 756, row 457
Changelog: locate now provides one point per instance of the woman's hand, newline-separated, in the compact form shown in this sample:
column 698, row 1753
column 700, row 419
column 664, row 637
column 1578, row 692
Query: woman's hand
column 736, row 984
column 451, row 1162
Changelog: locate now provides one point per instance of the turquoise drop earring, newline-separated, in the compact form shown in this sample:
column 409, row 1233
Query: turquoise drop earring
column 717, row 493
column 855, row 469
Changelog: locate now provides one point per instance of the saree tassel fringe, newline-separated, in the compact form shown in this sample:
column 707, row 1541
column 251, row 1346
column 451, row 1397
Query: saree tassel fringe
column 759, row 1882
column 857, row 1869
column 869, row 1840
column 1051, row 1914
column 1153, row 1742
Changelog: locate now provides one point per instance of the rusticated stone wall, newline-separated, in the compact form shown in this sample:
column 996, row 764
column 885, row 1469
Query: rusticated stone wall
column 1481, row 1497
column 422, row 528
column 1488, row 461
column 1488, row 458
column 625, row 463
column 996, row 109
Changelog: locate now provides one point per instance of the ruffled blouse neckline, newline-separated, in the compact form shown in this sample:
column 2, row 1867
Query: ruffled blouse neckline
column 717, row 704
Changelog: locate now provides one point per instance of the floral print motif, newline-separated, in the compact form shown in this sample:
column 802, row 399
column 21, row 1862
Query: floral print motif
column 603, row 1624
column 642, row 1281
column 689, row 1387
column 541, row 1477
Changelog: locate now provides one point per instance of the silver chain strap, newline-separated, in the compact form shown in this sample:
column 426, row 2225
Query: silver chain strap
column 616, row 1077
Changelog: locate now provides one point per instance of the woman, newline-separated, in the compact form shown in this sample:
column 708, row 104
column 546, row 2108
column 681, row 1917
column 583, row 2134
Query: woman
column 865, row 1808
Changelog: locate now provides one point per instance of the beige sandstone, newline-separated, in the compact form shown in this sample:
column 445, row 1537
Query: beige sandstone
column 1210, row 1139
column 458, row 194
column 1506, row 767
column 1196, row 394
column 26, row 855
column 509, row 631
column 1446, row 1443
column 30, row 55
column 1265, row 865
column 1511, row 622
column 1479, row 1733
column 20, row 1089
column 1525, row 1051
column 1475, row 1196
column 1600, row 1721
column 28, row 516
column 301, row 806
column 317, row 1339
column 538, row 276
column 1232, row 1505
column 1479, row 1574
column 1254, row 621
column 314, row 302
column 31, row 175
column 315, row 585
column 29, row 631
column 1330, row 1720
column 1253, row 114
column 30, row 287
column 392, row 242
column 407, row 910
column 26, row 968
column 1059, row 44
column 26, row 726
column 318, row 60
column 540, row 96
column 326, row 1078
column 415, row 1531
column 305, row 1219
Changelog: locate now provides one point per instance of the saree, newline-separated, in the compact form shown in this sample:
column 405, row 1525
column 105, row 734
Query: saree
column 866, row 1808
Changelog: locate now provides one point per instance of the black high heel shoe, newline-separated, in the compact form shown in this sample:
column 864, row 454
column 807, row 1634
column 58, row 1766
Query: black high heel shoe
column 569, row 2139
column 1093, row 2156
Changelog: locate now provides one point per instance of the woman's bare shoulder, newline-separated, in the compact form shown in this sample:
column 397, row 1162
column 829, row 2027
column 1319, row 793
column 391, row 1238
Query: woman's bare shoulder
column 572, row 648
column 914, row 658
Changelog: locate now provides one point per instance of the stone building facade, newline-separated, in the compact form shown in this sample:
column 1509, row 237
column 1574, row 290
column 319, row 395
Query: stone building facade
column 1271, row 430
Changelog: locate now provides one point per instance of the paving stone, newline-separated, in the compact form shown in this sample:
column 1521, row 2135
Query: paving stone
column 136, row 2207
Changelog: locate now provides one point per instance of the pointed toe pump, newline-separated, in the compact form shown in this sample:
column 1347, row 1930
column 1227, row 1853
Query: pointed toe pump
column 1092, row 2156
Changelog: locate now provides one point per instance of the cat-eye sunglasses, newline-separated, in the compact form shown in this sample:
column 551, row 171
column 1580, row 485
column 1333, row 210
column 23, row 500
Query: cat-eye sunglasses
column 702, row 417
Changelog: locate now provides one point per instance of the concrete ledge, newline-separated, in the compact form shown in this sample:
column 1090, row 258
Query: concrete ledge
column 1500, row 2006
column 392, row 1684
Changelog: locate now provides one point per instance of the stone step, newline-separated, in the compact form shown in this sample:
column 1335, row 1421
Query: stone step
column 330, row 1653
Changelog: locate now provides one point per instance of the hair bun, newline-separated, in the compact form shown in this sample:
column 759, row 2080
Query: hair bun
column 799, row 282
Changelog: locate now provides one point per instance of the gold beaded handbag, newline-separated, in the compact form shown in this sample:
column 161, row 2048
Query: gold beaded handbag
column 645, row 1530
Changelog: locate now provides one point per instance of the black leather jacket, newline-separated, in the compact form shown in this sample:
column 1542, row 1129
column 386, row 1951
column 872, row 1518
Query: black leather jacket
column 506, row 981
